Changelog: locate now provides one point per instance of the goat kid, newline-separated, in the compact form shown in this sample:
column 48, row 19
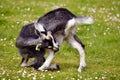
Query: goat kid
column 62, row 25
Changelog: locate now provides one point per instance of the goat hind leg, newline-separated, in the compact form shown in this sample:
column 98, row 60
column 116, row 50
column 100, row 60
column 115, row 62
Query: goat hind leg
column 75, row 42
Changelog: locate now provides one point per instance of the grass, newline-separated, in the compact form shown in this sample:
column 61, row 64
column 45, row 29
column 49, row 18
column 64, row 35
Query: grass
column 101, row 40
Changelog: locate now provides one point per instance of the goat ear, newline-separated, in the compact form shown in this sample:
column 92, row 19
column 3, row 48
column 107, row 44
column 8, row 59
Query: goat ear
column 39, row 27
column 40, row 30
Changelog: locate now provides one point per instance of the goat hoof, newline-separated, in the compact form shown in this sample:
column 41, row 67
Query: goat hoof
column 54, row 67
column 81, row 68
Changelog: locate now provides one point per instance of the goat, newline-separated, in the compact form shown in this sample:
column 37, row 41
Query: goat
column 27, row 43
column 62, row 25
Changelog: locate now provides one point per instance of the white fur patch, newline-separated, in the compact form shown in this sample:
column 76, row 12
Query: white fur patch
column 39, row 27
column 71, row 23
column 55, row 44
column 70, row 26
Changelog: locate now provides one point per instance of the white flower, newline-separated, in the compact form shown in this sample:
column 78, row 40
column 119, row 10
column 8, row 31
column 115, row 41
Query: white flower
column 52, row 77
column 104, row 33
column 96, row 77
column 34, row 77
column 23, row 74
column 81, row 77
column 58, row 71
column 28, row 9
column 3, row 79
column 103, row 77
column 72, row 78
column 46, row 70
column 17, row 22
column 26, row 22
column 2, row 15
column 4, row 44
column 1, row 39
column 43, row 76
column 118, row 15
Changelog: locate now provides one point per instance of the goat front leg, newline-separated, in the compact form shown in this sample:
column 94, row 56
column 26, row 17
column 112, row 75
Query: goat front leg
column 24, row 62
column 46, row 64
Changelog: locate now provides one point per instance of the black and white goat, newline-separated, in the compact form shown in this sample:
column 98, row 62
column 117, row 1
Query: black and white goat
column 62, row 25
column 49, row 32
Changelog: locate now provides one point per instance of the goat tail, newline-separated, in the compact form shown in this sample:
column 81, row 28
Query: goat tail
column 84, row 20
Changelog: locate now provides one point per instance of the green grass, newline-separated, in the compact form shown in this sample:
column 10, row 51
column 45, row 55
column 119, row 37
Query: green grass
column 101, row 40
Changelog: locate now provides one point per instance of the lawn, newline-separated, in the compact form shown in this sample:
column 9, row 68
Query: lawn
column 101, row 40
